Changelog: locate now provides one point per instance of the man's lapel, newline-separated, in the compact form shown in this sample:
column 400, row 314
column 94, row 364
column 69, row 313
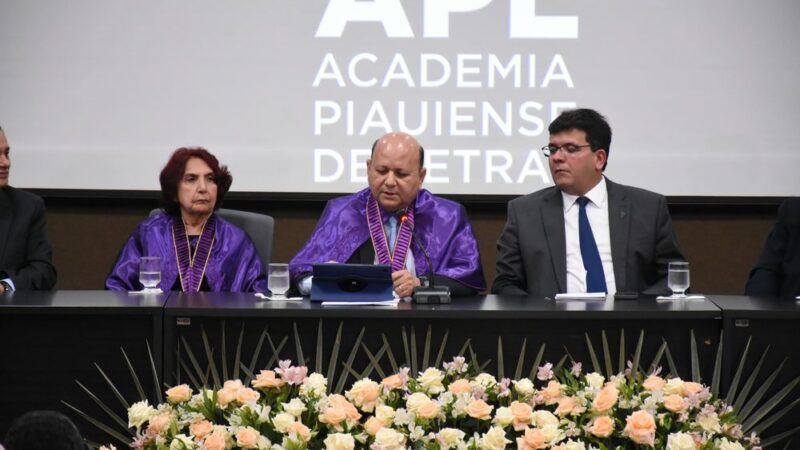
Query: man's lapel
column 5, row 221
column 552, row 211
column 619, row 219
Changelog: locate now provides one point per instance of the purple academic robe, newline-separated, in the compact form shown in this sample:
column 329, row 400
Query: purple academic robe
column 233, row 265
column 441, row 227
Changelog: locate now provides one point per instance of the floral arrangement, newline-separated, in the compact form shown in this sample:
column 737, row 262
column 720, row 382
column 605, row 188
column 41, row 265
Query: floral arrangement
column 442, row 409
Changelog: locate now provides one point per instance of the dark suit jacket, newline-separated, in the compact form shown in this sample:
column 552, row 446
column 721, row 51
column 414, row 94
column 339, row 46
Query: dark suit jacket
column 777, row 272
column 531, row 252
column 25, row 253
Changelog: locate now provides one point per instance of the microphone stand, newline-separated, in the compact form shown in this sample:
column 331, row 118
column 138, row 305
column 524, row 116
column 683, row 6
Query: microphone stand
column 427, row 294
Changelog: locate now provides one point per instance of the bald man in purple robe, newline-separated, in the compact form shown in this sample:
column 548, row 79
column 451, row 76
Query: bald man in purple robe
column 390, row 222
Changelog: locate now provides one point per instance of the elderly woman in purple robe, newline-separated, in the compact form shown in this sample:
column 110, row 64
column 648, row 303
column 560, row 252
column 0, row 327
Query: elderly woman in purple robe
column 199, row 250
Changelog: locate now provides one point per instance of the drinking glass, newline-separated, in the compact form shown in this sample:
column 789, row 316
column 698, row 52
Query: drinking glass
column 150, row 273
column 678, row 278
column 278, row 280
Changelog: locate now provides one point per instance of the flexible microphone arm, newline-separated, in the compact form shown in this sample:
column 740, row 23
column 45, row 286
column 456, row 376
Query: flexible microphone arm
column 427, row 294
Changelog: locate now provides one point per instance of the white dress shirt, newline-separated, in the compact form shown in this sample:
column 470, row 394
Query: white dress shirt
column 597, row 213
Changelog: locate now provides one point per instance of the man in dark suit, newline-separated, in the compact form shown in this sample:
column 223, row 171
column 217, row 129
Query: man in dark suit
column 587, row 233
column 777, row 272
column 26, row 257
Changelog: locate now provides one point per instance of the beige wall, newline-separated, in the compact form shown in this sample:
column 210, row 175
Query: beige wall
column 722, row 243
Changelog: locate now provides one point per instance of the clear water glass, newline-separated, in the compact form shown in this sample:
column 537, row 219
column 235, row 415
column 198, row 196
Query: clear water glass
column 678, row 278
column 150, row 273
column 278, row 280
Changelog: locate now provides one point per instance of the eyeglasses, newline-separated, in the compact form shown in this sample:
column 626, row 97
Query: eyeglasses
column 570, row 149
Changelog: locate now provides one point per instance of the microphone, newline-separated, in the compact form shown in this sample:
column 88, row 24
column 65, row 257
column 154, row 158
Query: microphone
column 426, row 294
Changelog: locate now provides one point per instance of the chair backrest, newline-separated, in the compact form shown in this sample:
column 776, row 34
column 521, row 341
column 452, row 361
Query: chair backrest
column 259, row 227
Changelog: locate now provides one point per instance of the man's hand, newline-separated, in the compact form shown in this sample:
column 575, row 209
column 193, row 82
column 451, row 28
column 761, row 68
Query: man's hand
column 404, row 283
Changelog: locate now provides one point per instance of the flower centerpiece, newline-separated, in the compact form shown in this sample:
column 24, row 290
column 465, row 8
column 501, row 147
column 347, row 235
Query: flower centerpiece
column 450, row 408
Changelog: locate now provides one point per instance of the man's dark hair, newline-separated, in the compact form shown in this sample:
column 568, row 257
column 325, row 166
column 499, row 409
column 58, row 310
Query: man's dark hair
column 43, row 430
column 591, row 122
column 421, row 153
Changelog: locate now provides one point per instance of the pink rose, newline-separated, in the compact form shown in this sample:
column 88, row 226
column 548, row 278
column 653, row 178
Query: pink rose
column 552, row 392
column 690, row 387
column 300, row 430
column 641, row 428
column 479, row 409
column 247, row 437
column 159, row 423
column 215, row 441
column 428, row 410
column 522, row 414
column 603, row 426
column 654, row 383
column 533, row 439
column 606, row 398
column 267, row 380
column 674, row 403
column 201, row 429
column 460, row 386
column 180, row 393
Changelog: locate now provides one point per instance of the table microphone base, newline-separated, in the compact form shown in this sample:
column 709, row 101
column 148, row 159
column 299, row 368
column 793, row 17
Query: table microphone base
column 431, row 295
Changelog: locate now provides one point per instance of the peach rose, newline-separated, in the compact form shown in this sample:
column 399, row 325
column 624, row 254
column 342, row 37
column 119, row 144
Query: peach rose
column 522, row 413
column 606, row 398
column 215, row 441
column 373, row 425
column 392, row 382
column 179, row 393
column 247, row 395
column 479, row 409
column 225, row 396
column 690, row 387
column 674, row 403
column 566, row 405
column 602, row 427
column 654, row 383
column 641, row 428
column 333, row 416
column 339, row 401
column 364, row 394
column 533, row 439
column 247, row 437
column 552, row 392
column 201, row 429
column 428, row 410
column 159, row 423
column 460, row 386
column 300, row 430
column 266, row 380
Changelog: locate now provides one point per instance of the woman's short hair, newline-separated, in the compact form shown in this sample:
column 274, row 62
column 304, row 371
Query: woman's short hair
column 172, row 174
column 43, row 430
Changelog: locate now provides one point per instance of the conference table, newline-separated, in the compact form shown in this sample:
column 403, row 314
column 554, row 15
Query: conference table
column 49, row 340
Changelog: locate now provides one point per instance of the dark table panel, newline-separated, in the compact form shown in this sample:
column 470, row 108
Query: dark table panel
column 560, row 325
column 772, row 325
column 50, row 339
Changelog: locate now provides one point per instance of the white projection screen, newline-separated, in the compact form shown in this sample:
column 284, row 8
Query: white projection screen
column 703, row 96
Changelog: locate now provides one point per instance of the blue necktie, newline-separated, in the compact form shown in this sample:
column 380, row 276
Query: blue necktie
column 392, row 232
column 595, row 277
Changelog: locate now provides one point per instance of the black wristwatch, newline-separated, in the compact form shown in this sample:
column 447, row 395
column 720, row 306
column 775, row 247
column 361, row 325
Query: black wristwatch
column 6, row 286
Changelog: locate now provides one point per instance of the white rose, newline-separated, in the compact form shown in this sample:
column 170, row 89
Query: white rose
column 673, row 386
column 494, row 439
column 295, row 407
column 416, row 400
column 281, row 421
column 139, row 413
column 680, row 441
column 572, row 445
column 551, row 433
column 385, row 414
column 315, row 385
column 503, row 417
column 181, row 442
column 595, row 380
column 709, row 422
column 542, row 418
column 450, row 437
column 485, row 380
column 431, row 380
column 340, row 441
column 725, row 444
column 389, row 439
column 524, row 387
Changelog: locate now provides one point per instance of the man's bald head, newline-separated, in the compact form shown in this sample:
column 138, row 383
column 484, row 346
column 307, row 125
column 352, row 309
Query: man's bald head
column 399, row 139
